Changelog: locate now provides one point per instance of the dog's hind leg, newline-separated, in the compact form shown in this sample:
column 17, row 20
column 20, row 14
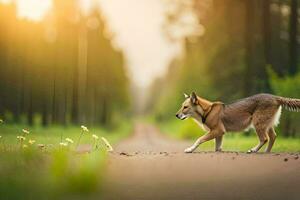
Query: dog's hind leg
column 272, row 138
column 262, row 136
column 218, row 143
column 262, row 120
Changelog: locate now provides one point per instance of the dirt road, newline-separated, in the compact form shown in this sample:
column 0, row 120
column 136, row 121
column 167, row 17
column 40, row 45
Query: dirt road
column 151, row 166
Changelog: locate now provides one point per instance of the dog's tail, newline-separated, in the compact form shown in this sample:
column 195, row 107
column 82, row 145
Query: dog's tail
column 289, row 103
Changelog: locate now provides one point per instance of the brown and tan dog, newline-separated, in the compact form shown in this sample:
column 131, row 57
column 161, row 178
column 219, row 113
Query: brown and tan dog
column 261, row 111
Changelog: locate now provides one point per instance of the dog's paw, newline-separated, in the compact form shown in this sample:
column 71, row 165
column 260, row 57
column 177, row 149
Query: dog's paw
column 251, row 151
column 189, row 150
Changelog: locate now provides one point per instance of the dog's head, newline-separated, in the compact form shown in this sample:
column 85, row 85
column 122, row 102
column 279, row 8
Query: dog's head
column 190, row 107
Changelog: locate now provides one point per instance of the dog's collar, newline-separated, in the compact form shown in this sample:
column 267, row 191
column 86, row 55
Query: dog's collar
column 205, row 116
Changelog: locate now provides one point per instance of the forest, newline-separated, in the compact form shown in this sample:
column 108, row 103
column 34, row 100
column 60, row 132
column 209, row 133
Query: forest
column 62, row 70
column 77, row 120
column 240, row 48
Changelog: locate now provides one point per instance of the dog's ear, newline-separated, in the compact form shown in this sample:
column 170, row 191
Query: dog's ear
column 186, row 96
column 194, row 98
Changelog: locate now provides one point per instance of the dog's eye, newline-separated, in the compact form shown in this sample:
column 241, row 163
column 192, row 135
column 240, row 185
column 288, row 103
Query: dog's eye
column 185, row 107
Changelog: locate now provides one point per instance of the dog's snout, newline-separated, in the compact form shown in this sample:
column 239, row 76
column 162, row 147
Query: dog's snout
column 179, row 116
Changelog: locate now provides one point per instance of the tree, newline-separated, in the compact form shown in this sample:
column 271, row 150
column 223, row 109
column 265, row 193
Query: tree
column 63, row 68
column 293, row 45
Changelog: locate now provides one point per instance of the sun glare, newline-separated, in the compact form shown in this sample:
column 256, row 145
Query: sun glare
column 33, row 9
column 5, row 1
column 36, row 9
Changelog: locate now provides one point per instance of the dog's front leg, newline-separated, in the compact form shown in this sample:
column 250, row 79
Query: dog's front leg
column 218, row 144
column 209, row 136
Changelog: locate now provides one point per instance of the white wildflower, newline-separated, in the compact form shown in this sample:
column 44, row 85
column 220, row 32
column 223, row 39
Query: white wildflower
column 31, row 142
column 21, row 138
column 84, row 128
column 69, row 140
column 64, row 144
column 25, row 131
column 107, row 144
column 95, row 137
column 41, row 146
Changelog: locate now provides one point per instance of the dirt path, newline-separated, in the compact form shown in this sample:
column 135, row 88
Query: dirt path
column 151, row 166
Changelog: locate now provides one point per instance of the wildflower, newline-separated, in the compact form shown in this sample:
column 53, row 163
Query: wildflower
column 41, row 146
column 31, row 142
column 95, row 137
column 1, row 121
column 63, row 144
column 84, row 128
column 69, row 140
column 25, row 146
column 109, row 147
column 0, row 136
column 25, row 131
column 21, row 138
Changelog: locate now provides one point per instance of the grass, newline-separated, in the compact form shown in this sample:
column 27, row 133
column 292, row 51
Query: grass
column 189, row 130
column 54, row 172
column 56, row 134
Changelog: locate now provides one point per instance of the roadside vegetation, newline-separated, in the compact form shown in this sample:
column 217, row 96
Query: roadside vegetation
column 243, row 59
column 45, row 163
column 189, row 130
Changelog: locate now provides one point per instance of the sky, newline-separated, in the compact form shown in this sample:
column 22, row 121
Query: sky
column 137, row 28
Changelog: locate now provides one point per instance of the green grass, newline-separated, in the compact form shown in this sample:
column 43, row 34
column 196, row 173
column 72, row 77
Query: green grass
column 54, row 172
column 189, row 130
column 54, row 134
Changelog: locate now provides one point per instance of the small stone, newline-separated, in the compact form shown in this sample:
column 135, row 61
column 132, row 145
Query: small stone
column 296, row 157
column 124, row 154
column 286, row 159
column 163, row 152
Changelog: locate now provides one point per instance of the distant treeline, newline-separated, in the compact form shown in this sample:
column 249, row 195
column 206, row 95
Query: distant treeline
column 63, row 69
column 248, row 47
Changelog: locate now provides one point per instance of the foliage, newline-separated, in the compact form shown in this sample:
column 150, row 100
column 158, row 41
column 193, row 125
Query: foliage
column 229, row 60
column 288, row 86
column 52, row 171
column 32, row 174
column 64, row 68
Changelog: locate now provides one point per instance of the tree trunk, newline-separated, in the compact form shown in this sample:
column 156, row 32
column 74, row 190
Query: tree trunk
column 30, row 110
column 267, row 31
column 293, row 37
column 249, row 47
column 74, row 114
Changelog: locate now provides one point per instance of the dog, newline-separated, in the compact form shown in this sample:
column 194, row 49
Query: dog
column 261, row 111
